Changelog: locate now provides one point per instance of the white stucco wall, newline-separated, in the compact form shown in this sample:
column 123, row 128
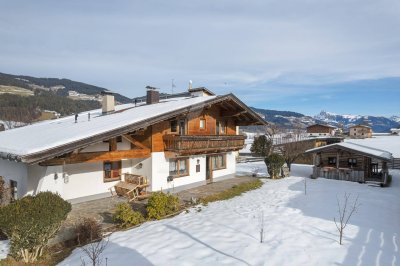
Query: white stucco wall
column 230, row 166
column 42, row 178
column 17, row 172
column 160, row 171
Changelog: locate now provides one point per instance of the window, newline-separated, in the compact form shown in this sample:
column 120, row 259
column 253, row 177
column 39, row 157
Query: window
column 112, row 171
column 179, row 167
column 202, row 123
column 218, row 161
column 332, row 160
column 174, row 126
column 352, row 162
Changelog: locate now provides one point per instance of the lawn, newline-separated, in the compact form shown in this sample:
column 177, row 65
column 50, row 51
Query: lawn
column 299, row 229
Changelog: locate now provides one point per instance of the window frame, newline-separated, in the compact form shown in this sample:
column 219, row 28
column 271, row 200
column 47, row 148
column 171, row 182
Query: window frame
column 331, row 160
column 214, row 162
column 178, row 163
column 352, row 162
column 119, row 169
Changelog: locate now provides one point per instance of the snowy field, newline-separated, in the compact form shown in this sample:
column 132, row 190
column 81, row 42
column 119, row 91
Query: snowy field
column 250, row 168
column 299, row 229
column 387, row 143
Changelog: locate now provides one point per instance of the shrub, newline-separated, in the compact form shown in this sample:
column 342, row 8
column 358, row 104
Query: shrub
column 31, row 221
column 125, row 216
column 274, row 164
column 87, row 231
column 234, row 191
column 161, row 204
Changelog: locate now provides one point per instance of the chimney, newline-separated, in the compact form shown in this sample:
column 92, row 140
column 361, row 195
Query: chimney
column 190, row 85
column 108, row 104
column 152, row 96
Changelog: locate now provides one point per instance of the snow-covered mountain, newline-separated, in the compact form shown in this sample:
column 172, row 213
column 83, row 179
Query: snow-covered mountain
column 289, row 120
column 379, row 124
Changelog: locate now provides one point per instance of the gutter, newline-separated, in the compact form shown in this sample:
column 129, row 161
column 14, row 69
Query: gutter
column 10, row 157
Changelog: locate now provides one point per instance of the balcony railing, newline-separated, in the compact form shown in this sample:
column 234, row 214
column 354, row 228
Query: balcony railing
column 186, row 145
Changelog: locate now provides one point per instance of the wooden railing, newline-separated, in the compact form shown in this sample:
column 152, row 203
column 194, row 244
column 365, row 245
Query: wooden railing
column 203, row 144
column 347, row 174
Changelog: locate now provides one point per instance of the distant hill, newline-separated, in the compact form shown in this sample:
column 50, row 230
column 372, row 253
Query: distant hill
column 60, row 87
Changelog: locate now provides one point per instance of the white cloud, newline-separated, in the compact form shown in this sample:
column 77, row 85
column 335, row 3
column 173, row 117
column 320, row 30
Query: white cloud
column 226, row 45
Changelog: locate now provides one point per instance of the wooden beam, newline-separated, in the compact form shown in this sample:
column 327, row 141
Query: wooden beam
column 134, row 142
column 91, row 157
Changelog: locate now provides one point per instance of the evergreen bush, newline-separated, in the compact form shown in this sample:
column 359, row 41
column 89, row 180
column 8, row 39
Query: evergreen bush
column 161, row 204
column 274, row 164
column 125, row 216
column 31, row 221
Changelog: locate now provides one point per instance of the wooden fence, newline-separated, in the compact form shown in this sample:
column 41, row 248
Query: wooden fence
column 394, row 164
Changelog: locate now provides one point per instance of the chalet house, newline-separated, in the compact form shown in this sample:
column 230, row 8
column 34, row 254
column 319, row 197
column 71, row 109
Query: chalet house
column 360, row 132
column 176, row 143
column 351, row 162
column 319, row 130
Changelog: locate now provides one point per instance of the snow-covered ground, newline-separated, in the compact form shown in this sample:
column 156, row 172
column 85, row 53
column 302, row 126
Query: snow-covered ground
column 4, row 249
column 250, row 168
column 299, row 229
column 387, row 143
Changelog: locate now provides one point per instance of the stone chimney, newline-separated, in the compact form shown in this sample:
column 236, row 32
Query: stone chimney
column 108, row 104
column 152, row 96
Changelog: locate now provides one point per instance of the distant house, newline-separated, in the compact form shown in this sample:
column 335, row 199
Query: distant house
column 351, row 162
column 173, row 144
column 360, row 132
column 395, row 131
column 318, row 130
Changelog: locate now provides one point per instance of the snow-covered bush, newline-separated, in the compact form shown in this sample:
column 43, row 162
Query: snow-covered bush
column 125, row 216
column 31, row 221
column 88, row 230
column 161, row 204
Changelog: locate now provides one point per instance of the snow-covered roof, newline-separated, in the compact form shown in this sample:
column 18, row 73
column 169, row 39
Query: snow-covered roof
column 52, row 134
column 365, row 150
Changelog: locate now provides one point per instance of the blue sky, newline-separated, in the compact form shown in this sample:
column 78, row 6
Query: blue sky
column 304, row 56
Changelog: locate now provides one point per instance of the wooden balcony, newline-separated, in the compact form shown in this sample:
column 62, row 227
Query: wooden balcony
column 187, row 145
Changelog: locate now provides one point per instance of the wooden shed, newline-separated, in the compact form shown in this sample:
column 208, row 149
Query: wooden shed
column 351, row 162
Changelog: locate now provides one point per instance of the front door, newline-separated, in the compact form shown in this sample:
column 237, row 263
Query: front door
column 209, row 172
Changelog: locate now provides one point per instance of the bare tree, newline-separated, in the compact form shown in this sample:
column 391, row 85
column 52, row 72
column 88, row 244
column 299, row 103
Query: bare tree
column 93, row 251
column 345, row 209
column 291, row 151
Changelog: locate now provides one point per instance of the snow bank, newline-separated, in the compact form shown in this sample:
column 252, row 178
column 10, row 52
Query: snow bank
column 299, row 229
column 4, row 249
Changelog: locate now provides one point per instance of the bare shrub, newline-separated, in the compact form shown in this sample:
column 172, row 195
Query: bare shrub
column 87, row 231
column 345, row 209
column 93, row 251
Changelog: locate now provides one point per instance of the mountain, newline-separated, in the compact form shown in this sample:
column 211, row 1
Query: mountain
column 290, row 120
column 26, row 85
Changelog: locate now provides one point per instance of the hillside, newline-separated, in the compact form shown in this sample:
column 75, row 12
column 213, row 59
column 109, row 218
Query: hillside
column 60, row 87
